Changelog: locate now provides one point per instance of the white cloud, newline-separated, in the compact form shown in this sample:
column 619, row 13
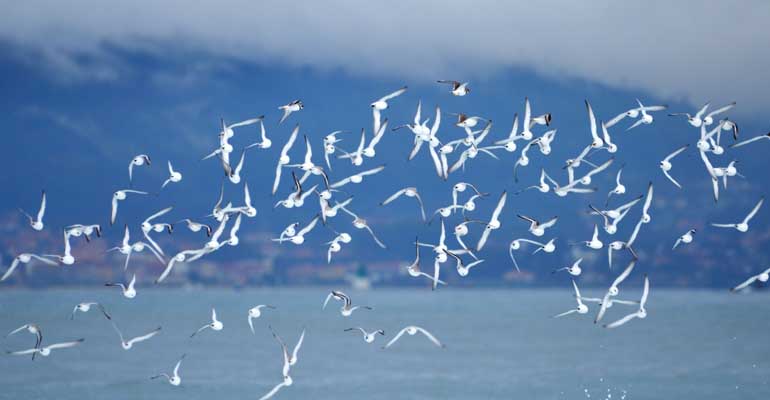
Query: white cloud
column 684, row 50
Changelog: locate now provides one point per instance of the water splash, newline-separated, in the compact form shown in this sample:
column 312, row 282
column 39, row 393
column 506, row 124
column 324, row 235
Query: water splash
column 609, row 393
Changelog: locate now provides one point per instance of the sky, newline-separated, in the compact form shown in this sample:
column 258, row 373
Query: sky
column 86, row 88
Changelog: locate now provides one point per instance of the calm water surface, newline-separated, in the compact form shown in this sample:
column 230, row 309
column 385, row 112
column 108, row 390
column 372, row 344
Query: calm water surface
column 500, row 345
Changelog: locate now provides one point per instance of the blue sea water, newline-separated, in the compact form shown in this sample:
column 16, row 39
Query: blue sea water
column 501, row 344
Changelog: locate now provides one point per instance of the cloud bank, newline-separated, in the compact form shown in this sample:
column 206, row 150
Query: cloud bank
column 683, row 50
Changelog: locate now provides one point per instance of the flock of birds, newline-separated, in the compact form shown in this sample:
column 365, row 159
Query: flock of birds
column 311, row 180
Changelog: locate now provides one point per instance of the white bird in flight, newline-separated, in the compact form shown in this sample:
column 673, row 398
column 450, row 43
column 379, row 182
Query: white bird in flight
column 86, row 307
column 173, row 176
column 330, row 147
column 574, row 163
column 368, row 336
column 613, row 290
column 641, row 313
column 610, row 302
column 33, row 329
column 335, row 246
column 544, row 142
column 646, row 217
column 291, row 359
column 266, row 143
column 712, row 173
column 46, row 350
column 299, row 237
column 543, row 187
column 523, row 159
column 547, row 247
column 308, row 166
column 694, row 120
column 78, row 230
column 128, row 344
column 288, row 361
column 328, row 211
column 182, row 256
column 461, row 187
column 429, row 136
column 408, row 192
column 615, row 215
column 467, row 121
column 298, row 196
column 357, row 178
column 581, row 308
column 461, row 230
column 627, row 245
column 347, row 307
column 596, row 141
column 442, row 253
column 138, row 161
column 361, row 223
column 762, row 277
column 37, row 222
column 458, row 88
column 418, row 127
column 290, row 108
column 684, row 239
column 215, row 325
column 537, row 228
column 411, row 331
column 147, row 227
column 196, row 226
column 67, row 258
column 256, row 312
column 619, row 188
column 509, row 143
column 287, row 381
column 118, row 196
column 729, row 171
column 128, row 248
column 526, row 128
column 227, row 130
column 766, row 136
column 611, row 148
column 594, row 243
column 414, row 268
column 233, row 240
column 494, row 221
column 129, row 291
column 573, row 269
column 357, row 157
column 382, row 104
column 174, row 379
column 635, row 113
column 234, row 174
column 709, row 118
column 462, row 268
column 284, row 158
column 644, row 117
column 587, row 178
column 743, row 226
column 25, row 258
column 289, row 231
column 368, row 151
column 666, row 166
